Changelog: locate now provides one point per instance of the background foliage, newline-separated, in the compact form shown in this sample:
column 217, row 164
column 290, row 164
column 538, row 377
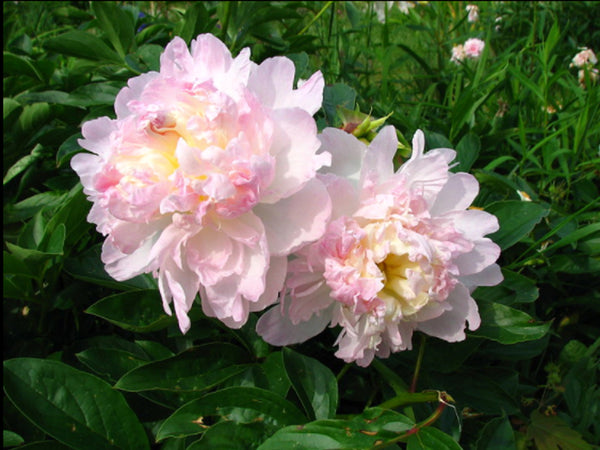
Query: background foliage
column 90, row 363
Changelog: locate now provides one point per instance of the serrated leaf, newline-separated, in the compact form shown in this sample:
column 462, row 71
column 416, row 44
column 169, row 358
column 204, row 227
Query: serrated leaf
column 508, row 325
column 314, row 384
column 373, row 426
column 140, row 311
column 517, row 219
column 257, row 404
column 196, row 369
column 552, row 433
column 74, row 407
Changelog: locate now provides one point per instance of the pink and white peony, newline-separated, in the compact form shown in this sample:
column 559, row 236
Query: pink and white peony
column 206, row 178
column 473, row 48
column 584, row 58
column 402, row 253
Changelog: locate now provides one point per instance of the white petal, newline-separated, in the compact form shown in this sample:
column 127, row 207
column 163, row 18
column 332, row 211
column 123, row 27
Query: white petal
column 296, row 220
column 277, row 329
column 457, row 194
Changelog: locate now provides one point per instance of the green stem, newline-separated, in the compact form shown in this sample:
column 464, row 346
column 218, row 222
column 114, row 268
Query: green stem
column 413, row 384
column 342, row 372
column 409, row 398
column 314, row 19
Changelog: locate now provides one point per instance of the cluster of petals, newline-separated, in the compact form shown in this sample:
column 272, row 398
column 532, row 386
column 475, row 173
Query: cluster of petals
column 473, row 13
column 381, row 6
column 584, row 61
column 401, row 253
column 472, row 48
column 207, row 178
column 585, row 58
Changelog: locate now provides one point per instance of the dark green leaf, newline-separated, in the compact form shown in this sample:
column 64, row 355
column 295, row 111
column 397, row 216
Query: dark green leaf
column 229, row 435
column 117, row 24
column 467, row 151
column 89, row 267
column 139, row 311
column 83, row 45
column 19, row 65
column 373, row 426
column 514, row 289
column 256, row 404
column 110, row 364
column 508, row 325
column 76, row 408
column 195, row 369
column 497, row 434
column 314, row 384
column 11, row 439
column 517, row 219
column 67, row 149
column 337, row 95
column 431, row 438
column 276, row 374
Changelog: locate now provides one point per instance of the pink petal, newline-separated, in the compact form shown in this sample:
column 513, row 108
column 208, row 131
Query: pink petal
column 296, row 220
column 450, row 326
column 277, row 329
column 346, row 151
column 378, row 164
column 457, row 194
column 294, row 145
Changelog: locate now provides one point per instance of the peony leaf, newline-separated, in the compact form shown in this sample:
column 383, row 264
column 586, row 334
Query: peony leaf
column 139, row 311
column 517, row 219
column 552, row 433
column 110, row 363
column 373, row 426
column 11, row 439
column 497, row 434
column 117, row 24
column 83, row 45
column 467, row 152
column 508, row 325
column 240, row 404
column 88, row 266
column 432, row 438
column 74, row 407
column 195, row 369
column 314, row 384
column 274, row 369
column 230, row 435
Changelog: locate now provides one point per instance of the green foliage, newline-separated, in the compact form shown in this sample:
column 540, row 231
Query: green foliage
column 90, row 362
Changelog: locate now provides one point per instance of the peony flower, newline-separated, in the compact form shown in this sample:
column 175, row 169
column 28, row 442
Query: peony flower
column 402, row 253
column 585, row 58
column 473, row 48
column 473, row 13
column 206, row 178
column 458, row 54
